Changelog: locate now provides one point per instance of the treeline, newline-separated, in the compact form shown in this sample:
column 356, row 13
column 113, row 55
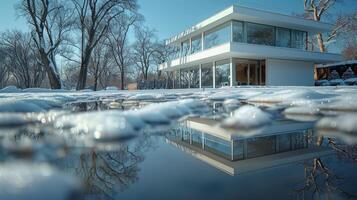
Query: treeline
column 80, row 44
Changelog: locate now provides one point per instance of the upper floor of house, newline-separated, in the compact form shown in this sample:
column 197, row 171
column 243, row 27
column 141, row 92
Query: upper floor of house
column 244, row 25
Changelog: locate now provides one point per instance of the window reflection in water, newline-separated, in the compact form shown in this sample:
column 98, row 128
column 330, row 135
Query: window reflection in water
column 245, row 148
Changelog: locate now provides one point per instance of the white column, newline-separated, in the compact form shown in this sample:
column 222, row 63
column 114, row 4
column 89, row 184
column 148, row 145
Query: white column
column 214, row 74
column 231, row 78
column 202, row 40
column 200, row 75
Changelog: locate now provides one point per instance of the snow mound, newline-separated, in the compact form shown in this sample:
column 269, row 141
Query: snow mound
column 351, row 81
column 302, row 110
column 117, row 125
column 290, row 97
column 10, row 89
column 343, row 127
column 31, row 181
column 107, row 125
column 247, row 117
column 335, row 82
column 302, row 113
column 111, row 88
column 142, row 97
column 19, row 106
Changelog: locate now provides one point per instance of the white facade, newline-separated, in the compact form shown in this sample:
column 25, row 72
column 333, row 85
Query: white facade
column 244, row 46
column 289, row 73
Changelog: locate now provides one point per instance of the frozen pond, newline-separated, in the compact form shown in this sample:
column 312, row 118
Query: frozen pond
column 229, row 143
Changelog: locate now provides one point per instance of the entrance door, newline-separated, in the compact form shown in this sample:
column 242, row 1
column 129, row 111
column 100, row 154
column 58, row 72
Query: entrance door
column 249, row 72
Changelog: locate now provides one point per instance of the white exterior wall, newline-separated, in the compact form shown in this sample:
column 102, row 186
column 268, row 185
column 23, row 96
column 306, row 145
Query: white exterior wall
column 289, row 73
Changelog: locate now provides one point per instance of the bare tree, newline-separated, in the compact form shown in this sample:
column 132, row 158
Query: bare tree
column 95, row 17
column 350, row 51
column 118, row 41
column 144, row 49
column 50, row 23
column 100, row 63
column 21, row 59
column 317, row 9
column 4, row 71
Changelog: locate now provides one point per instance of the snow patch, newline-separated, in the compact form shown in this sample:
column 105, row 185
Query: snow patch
column 247, row 117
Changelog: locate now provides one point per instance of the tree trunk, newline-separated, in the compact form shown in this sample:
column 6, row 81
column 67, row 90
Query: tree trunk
column 320, row 41
column 122, row 79
column 82, row 79
column 53, row 77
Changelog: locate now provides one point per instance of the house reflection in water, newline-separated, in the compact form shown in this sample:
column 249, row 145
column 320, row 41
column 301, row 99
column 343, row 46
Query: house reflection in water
column 281, row 143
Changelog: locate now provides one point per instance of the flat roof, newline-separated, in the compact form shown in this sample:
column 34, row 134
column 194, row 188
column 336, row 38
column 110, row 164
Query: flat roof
column 348, row 62
column 211, row 127
column 241, row 13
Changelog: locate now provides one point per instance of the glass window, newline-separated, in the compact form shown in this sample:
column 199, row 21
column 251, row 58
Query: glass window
column 196, row 44
column 260, row 34
column 238, row 31
column 196, row 138
column 177, row 79
column 222, row 73
column 283, row 37
column 217, row 146
column 207, row 75
column 184, row 78
column 175, row 52
column 218, row 36
column 190, row 78
column 260, row 146
column 298, row 39
column 185, row 48
column 238, row 150
column 194, row 77
column 242, row 73
column 262, row 72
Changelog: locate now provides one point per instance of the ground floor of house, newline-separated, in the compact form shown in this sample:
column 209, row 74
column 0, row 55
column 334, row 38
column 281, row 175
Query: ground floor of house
column 236, row 71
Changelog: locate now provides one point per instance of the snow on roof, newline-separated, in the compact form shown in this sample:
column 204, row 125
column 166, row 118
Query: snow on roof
column 348, row 62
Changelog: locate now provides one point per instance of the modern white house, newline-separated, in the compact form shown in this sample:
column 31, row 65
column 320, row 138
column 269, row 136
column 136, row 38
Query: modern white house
column 245, row 46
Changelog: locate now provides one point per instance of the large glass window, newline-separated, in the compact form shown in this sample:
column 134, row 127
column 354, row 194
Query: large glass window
column 195, row 77
column 283, row 37
column 260, row 34
column 260, row 146
column 186, row 48
column 177, row 79
column 217, row 146
column 238, row 33
column 176, row 50
column 298, row 39
column 222, row 73
column 207, row 75
column 190, row 78
column 250, row 72
column 196, row 44
column 218, row 36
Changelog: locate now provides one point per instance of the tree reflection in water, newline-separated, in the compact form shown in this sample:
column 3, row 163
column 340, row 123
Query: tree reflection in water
column 321, row 182
column 105, row 173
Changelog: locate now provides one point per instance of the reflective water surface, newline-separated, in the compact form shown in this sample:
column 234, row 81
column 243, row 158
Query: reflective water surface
column 194, row 158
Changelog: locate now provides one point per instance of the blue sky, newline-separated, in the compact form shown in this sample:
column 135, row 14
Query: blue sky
column 170, row 17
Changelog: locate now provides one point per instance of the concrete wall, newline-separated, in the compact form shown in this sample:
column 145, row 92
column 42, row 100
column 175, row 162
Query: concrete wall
column 289, row 73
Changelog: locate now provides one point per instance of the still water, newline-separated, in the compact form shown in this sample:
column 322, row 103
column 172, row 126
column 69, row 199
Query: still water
column 196, row 159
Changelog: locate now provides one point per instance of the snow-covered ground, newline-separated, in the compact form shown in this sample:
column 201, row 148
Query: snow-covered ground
column 42, row 111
